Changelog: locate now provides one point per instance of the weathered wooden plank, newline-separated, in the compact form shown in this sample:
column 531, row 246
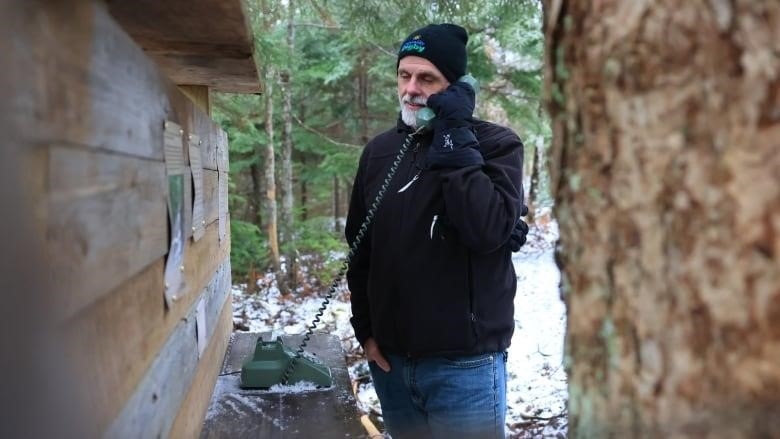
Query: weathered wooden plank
column 211, row 195
column 152, row 408
column 106, row 221
column 236, row 412
column 155, row 24
column 187, row 423
column 117, row 337
column 234, row 75
column 196, row 173
column 103, row 92
column 214, row 300
column 210, row 148
column 208, row 42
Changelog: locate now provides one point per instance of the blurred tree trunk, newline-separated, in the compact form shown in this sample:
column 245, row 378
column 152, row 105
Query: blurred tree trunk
column 534, row 190
column 666, row 176
column 362, row 92
column 287, row 216
column 336, row 204
column 303, row 159
column 256, row 200
column 304, row 190
column 269, row 171
column 269, row 162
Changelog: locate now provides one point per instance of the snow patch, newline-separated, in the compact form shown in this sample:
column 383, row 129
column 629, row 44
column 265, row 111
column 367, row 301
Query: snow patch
column 299, row 387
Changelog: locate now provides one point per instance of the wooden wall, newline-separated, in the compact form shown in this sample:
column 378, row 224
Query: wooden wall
column 86, row 108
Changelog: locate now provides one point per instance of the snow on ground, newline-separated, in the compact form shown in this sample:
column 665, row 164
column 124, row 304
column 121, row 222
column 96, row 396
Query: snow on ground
column 536, row 387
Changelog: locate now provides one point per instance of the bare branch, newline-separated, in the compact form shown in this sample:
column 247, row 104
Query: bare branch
column 383, row 50
column 335, row 142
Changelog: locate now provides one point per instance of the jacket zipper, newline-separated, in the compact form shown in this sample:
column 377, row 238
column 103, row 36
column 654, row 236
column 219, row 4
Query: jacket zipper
column 404, row 199
column 413, row 165
column 472, row 314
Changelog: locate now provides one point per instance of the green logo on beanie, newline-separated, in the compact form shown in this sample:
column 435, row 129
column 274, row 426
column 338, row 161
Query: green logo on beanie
column 414, row 45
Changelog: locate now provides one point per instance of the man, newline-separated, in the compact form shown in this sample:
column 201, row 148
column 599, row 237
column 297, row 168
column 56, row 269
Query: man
column 432, row 283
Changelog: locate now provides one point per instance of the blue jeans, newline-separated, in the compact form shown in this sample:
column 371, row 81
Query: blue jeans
column 443, row 397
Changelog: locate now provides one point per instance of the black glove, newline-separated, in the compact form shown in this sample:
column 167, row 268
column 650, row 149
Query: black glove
column 454, row 143
column 520, row 232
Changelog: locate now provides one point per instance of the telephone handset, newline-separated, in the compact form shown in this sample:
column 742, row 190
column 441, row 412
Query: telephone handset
column 426, row 115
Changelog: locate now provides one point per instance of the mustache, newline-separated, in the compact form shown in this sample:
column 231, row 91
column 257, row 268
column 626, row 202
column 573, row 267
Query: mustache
column 418, row 100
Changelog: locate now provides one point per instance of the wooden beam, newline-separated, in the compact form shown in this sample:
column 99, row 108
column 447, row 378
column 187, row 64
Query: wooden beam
column 235, row 74
column 208, row 42
column 199, row 95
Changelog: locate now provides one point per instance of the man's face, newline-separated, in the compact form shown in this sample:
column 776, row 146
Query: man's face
column 418, row 78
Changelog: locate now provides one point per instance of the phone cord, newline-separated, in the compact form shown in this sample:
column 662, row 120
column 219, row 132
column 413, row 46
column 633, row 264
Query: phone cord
column 352, row 250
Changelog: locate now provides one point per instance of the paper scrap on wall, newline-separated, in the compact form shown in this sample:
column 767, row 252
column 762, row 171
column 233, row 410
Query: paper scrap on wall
column 175, row 167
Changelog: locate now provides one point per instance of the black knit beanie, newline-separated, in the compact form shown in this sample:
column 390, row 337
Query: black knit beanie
column 444, row 45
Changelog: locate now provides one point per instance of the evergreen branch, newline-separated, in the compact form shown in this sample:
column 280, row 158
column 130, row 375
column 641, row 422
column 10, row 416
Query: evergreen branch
column 383, row 50
column 504, row 90
column 335, row 142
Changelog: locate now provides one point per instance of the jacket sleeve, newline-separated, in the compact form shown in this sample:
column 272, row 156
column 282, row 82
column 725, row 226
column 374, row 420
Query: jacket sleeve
column 357, row 272
column 483, row 202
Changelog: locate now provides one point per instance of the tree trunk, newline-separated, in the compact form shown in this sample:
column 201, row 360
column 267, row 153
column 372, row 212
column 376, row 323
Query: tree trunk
column 303, row 159
column 256, row 200
column 534, row 190
column 666, row 176
column 362, row 92
column 336, row 204
column 269, row 171
column 304, row 191
column 269, row 161
column 287, row 217
column 347, row 197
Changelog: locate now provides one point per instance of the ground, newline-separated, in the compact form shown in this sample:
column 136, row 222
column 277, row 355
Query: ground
column 536, row 393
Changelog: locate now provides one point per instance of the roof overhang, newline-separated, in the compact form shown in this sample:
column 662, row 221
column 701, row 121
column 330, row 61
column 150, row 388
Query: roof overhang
column 195, row 42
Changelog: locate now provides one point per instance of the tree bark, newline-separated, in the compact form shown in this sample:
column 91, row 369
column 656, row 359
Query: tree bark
column 256, row 172
column 534, row 190
column 269, row 171
column 666, row 176
column 303, row 208
column 287, row 217
column 362, row 93
column 268, row 153
column 336, row 204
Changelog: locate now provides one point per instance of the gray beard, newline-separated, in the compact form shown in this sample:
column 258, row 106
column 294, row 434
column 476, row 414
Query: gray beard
column 408, row 116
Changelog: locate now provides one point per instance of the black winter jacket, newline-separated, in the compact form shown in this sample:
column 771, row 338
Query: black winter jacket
column 433, row 275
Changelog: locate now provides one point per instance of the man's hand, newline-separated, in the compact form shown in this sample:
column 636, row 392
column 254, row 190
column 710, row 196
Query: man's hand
column 374, row 354
column 454, row 144
column 520, row 232
column 453, row 106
